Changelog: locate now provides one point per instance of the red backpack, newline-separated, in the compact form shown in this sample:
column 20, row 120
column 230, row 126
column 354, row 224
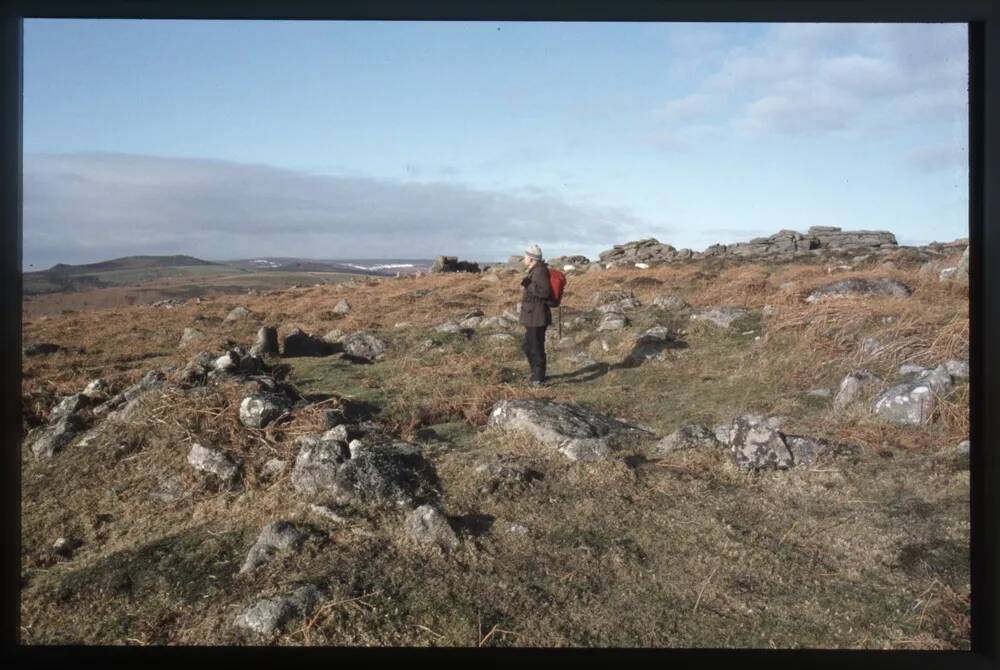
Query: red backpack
column 557, row 280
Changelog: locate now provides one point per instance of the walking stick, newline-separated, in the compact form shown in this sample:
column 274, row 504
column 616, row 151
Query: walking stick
column 560, row 321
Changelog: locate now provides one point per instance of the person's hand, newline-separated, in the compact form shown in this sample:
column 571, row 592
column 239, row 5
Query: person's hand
column 525, row 281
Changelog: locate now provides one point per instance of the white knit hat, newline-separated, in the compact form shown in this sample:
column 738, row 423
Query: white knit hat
column 534, row 251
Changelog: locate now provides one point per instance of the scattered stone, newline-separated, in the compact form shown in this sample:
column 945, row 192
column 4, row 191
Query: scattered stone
column 273, row 538
column 299, row 343
column 270, row 615
column 804, row 449
column 860, row 286
column 426, row 525
column 957, row 368
column 723, row 317
column 365, row 345
column 273, row 469
column 612, row 321
column 650, row 345
column 517, row 529
column 257, row 411
column 870, row 346
column 342, row 307
column 947, row 273
column 619, row 306
column 41, row 349
column 908, row 369
column 470, row 322
column 757, row 446
column 852, row 386
column 315, row 471
column 335, row 336
column 502, row 337
column 266, row 343
column 575, row 432
column 168, row 490
column 912, row 403
column 819, row 393
column 190, row 335
column 213, row 461
column 196, row 370
column 509, row 476
column 65, row 547
column 327, row 513
column 236, row 314
column 691, row 436
column 227, row 362
column 448, row 327
column 68, row 405
column 97, row 390
column 962, row 269
column 339, row 433
column 56, row 436
column 670, row 302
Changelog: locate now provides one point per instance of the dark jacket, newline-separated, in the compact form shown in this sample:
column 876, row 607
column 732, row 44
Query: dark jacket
column 534, row 311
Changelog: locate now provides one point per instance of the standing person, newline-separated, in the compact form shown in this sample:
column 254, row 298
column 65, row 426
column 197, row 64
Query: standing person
column 535, row 313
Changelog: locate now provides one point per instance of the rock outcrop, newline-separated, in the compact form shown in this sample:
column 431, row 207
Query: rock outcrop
column 452, row 264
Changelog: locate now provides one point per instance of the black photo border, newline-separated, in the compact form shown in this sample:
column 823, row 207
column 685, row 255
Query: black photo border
column 983, row 20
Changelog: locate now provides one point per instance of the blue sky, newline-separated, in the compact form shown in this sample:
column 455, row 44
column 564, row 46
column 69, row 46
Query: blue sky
column 226, row 139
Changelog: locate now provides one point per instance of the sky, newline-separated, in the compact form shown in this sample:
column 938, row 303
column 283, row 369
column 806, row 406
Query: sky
column 338, row 139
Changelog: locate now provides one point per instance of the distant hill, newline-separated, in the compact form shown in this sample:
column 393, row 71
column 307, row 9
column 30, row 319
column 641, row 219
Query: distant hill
column 126, row 263
column 128, row 270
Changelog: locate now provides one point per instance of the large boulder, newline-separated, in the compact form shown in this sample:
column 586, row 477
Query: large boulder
column 299, row 343
column 383, row 474
column 577, row 433
column 342, row 307
column 268, row 616
column 860, row 286
column 274, row 537
column 266, row 343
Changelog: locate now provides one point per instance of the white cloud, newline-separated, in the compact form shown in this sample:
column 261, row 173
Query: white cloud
column 805, row 78
column 86, row 207
column 935, row 158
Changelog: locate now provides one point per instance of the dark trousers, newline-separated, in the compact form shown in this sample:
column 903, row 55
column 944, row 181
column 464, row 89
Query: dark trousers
column 534, row 349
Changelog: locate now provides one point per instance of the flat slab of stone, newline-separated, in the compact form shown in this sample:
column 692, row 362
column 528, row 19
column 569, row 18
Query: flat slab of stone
column 691, row 436
column 860, row 286
column 577, row 433
column 723, row 317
